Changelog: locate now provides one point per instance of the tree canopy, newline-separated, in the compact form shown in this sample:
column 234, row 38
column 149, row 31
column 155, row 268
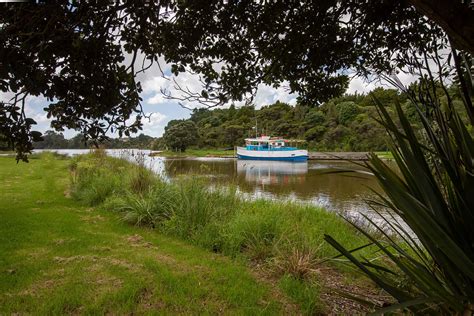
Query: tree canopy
column 180, row 134
column 83, row 56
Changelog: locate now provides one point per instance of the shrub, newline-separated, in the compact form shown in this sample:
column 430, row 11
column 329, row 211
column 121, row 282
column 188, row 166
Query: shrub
column 140, row 180
column 299, row 262
column 195, row 208
column 138, row 210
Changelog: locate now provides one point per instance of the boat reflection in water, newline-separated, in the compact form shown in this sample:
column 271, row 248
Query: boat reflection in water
column 308, row 182
column 272, row 172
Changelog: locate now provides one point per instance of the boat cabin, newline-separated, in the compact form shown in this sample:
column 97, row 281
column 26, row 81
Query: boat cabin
column 267, row 143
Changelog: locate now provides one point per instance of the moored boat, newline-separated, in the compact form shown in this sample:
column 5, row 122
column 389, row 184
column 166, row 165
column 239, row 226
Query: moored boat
column 270, row 148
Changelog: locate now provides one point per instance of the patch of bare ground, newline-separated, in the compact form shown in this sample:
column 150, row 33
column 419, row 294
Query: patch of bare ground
column 101, row 249
column 109, row 281
column 59, row 242
column 335, row 287
column 67, row 260
column 44, row 285
column 34, row 253
column 153, row 251
column 105, row 260
column 148, row 303
column 138, row 241
column 67, row 193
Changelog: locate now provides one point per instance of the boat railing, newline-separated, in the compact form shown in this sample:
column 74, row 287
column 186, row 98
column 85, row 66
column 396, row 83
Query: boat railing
column 262, row 148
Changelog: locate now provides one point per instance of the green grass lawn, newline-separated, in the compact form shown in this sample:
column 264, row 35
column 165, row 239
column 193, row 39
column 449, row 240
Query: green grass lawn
column 58, row 257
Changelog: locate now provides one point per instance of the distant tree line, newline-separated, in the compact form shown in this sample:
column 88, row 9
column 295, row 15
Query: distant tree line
column 55, row 140
column 344, row 123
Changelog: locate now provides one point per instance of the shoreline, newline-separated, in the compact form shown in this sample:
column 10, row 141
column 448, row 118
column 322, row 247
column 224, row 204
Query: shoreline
column 349, row 156
column 229, row 154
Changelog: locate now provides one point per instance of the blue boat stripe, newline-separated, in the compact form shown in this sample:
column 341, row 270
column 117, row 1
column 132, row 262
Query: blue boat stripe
column 294, row 158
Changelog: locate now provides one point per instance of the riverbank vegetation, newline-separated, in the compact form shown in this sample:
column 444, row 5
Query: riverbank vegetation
column 60, row 257
column 218, row 219
column 75, row 240
column 283, row 239
column 310, row 48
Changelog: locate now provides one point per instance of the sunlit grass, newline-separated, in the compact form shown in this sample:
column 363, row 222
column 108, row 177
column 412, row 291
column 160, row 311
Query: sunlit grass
column 60, row 257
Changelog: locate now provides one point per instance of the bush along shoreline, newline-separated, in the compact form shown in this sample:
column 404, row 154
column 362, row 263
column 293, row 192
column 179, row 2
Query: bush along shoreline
column 284, row 241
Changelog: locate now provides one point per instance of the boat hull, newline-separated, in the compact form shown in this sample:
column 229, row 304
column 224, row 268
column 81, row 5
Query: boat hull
column 298, row 155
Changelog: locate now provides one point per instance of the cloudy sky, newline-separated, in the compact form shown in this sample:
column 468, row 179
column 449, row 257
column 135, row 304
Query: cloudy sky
column 161, row 110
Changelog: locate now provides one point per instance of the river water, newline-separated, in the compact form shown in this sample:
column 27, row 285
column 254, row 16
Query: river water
column 308, row 182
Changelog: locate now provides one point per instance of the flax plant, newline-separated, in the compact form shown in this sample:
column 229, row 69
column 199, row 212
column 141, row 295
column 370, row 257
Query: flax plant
column 427, row 261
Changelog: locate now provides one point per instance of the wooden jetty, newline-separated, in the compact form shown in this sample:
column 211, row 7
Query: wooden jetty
column 338, row 156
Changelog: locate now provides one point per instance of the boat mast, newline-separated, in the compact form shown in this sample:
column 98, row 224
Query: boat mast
column 256, row 128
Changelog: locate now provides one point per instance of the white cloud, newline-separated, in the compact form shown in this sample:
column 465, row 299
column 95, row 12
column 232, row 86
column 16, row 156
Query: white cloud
column 268, row 95
column 154, row 85
column 158, row 98
column 406, row 78
column 34, row 109
column 153, row 124
column 362, row 85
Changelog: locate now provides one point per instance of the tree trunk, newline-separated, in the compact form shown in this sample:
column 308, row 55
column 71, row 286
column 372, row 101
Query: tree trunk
column 456, row 17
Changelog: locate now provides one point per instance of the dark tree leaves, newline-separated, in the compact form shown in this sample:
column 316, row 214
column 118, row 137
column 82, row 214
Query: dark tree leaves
column 81, row 56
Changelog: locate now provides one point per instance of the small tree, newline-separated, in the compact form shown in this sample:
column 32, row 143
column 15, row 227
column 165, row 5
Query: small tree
column 181, row 135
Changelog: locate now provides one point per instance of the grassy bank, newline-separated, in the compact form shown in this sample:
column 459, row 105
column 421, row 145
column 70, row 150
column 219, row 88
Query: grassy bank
column 196, row 153
column 60, row 257
column 285, row 240
column 119, row 240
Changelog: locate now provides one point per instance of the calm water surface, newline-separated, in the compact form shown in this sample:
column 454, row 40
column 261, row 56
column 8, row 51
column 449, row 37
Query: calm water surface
column 304, row 182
